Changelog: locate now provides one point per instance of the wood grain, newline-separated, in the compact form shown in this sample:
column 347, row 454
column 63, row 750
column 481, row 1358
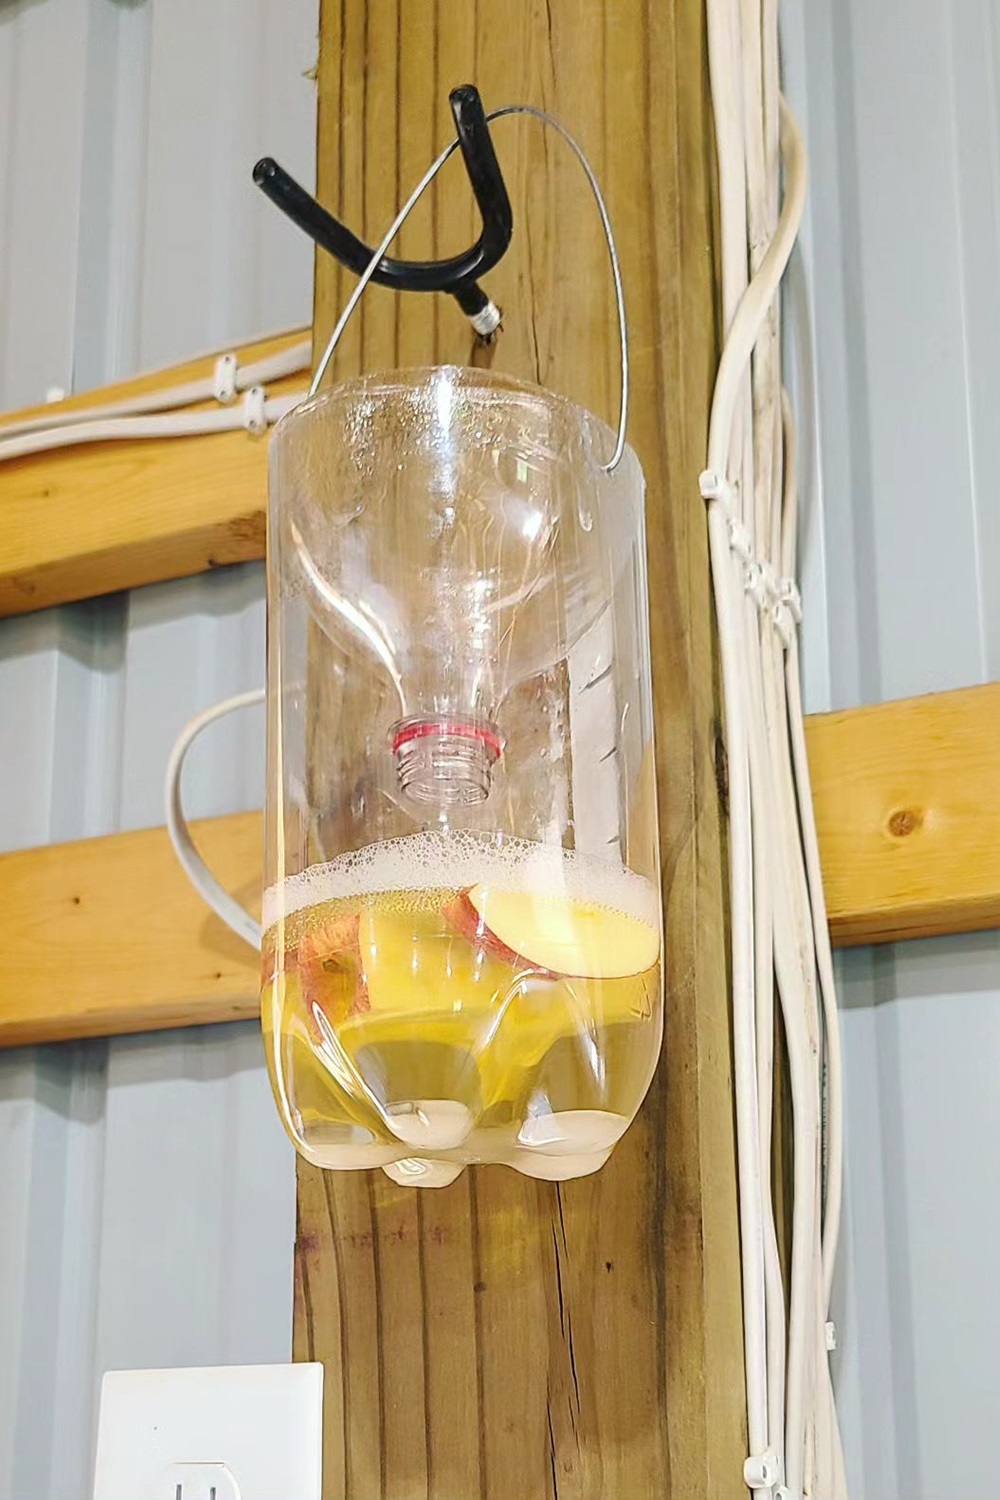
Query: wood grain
column 106, row 935
column 99, row 517
column 907, row 798
column 503, row 1338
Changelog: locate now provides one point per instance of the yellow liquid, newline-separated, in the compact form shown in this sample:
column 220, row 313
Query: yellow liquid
column 398, row 1025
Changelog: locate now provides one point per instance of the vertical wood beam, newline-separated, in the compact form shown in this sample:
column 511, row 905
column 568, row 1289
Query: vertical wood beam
column 505, row 1339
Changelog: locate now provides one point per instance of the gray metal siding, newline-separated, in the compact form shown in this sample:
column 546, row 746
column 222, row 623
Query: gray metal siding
column 903, row 123
column 146, row 1189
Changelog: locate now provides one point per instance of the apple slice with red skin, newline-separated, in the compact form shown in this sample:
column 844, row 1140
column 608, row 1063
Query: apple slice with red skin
column 328, row 961
column 554, row 935
column 462, row 916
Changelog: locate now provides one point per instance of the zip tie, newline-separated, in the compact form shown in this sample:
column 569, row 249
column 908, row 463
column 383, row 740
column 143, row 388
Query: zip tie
column 784, row 624
column 779, row 597
column 790, row 597
column 224, row 379
column 761, row 1471
column 740, row 541
column 771, row 586
column 754, row 585
column 254, row 414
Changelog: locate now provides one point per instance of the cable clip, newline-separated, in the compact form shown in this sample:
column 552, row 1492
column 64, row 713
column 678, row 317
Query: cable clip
column 740, row 541
column 714, row 488
column 755, row 584
column 831, row 1336
column 254, row 413
column 762, row 1471
column 224, row 379
column 789, row 596
column 783, row 623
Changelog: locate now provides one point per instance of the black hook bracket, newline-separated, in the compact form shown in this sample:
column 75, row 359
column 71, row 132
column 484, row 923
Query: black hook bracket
column 458, row 274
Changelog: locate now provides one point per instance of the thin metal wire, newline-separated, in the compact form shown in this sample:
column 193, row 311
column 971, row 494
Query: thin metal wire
column 420, row 189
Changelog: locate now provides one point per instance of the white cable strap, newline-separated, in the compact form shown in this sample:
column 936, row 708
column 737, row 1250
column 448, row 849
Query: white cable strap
column 755, row 585
column 790, row 597
column 714, row 488
column 762, row 1471
column 224, row 379
column 212, row 893
column 784, row 624
column 253, row 414
column 740, row 540
column 255, row 409
column 779, row 598
column 170, row 401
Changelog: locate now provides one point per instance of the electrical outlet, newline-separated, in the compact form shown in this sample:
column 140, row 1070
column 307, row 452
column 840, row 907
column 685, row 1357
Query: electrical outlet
column 201, row 1482
column 233, row 1432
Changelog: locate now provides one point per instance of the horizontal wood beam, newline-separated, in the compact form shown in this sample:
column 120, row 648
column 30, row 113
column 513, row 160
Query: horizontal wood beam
column 907, row 798
column 94, row 518
column 106, row 935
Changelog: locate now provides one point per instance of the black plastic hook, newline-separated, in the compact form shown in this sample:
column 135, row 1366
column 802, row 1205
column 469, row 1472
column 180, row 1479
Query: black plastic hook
column 458, row 274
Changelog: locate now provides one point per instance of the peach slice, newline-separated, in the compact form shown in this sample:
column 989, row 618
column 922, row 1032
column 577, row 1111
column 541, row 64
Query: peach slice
column 558, row 935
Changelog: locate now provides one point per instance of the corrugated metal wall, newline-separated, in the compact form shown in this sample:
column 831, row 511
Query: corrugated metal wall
column 902, row 105
column 146, row 1195
column 146, row 1190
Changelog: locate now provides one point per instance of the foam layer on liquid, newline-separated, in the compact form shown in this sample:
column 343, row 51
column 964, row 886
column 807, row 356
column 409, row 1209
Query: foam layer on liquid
column 455, row 861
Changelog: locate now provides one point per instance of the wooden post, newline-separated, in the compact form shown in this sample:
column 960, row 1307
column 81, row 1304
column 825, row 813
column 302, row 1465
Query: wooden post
column 505, row 1339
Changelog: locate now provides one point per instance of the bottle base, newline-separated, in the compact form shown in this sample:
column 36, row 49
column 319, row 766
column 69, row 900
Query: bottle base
column 554, row 1147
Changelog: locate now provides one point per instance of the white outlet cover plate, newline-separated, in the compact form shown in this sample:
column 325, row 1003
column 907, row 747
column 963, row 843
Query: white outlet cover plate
column 263, row 1422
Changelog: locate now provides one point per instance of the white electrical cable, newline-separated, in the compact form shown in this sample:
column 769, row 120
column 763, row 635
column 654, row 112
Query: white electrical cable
column 200, row 876
column 162, row 413
column 779, row 932
column 291, row 361
column 254, row 413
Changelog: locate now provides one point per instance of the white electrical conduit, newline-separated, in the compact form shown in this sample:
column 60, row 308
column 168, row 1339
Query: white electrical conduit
column 255, row 416
column 160, row 413
column 778, row 915
column 215, row 896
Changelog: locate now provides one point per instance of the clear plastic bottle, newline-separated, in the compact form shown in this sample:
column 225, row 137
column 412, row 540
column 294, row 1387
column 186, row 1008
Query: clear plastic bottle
column 461, row 910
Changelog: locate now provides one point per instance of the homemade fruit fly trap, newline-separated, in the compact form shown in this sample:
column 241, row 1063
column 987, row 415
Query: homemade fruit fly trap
column 461, row 917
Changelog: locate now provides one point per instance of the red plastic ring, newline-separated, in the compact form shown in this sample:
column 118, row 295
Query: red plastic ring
column 469, row 731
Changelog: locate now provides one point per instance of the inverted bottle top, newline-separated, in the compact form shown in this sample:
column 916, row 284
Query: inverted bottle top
column 445, row 760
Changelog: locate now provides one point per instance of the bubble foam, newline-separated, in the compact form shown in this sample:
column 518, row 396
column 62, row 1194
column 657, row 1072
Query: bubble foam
column 457, row 860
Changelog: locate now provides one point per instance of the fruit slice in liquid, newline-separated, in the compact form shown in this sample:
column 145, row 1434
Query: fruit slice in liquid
column 572, row 938
column 427, row 1013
